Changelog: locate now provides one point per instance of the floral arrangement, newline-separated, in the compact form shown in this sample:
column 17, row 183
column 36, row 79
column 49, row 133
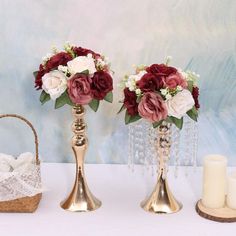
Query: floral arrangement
column 74, row 76
column 160, row 93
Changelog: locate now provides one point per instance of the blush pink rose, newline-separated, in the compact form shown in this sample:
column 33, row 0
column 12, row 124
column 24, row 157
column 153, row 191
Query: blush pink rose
column 174, row 80
column 152, row 107
column 79, row 89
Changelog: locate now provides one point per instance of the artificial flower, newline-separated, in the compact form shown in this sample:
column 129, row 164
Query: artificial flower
column 101, row 84
column 161, row 70
column 79, row 51
column 149, row 82
column 79, row 89
column 179, row 104
column 58, row 59
column 38, row 79
column 54, row 83
column 195, row 93
column 152, row 107
column 130, row 102
column 175, row 79
column 82, row 63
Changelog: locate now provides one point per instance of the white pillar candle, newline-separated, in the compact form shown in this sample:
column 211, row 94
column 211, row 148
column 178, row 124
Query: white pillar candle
column 214, row 181
column 231, row 197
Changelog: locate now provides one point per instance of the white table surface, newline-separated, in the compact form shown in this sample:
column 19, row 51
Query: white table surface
column 121, row 192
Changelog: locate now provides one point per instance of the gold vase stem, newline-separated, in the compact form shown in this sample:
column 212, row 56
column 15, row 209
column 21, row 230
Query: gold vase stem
column 80, row 198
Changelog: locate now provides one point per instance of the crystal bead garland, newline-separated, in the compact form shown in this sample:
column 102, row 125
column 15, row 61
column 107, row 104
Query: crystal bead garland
column 143, row 145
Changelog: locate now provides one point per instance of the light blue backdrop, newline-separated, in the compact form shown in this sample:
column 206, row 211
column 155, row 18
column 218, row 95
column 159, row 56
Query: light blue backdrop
column 200, row 35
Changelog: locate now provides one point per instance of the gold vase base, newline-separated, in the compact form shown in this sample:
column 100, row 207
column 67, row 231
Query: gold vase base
column 80, row 206
column 161, row 200
column 80, row 199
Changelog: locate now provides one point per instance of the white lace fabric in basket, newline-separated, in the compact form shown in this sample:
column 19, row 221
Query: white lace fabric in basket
column 19, row 177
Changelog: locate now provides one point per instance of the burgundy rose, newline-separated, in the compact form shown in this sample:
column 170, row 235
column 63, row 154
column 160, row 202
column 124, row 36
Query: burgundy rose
column 161, row 69
column 79, row 51
column 152, row 107
column 150, row 82
column 130, row 102
column 79, row 89
column 101, row 84
column 174, row 80
column 195, row 94
column 38, row 78
column 60, row 58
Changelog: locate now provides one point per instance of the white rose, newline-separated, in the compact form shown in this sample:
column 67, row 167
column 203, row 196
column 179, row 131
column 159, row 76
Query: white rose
column 54, row 83
column 178, row 105
column 80, row 64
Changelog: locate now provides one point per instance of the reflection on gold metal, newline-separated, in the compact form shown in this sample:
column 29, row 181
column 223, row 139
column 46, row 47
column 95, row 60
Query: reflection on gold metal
column 80, row 199
column 161, row 199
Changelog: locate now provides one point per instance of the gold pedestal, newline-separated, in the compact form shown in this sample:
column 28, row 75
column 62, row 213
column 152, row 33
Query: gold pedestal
column 162, row 201
column 80, row 199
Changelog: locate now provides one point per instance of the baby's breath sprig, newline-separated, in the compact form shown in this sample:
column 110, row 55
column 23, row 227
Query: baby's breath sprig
column 68, row 48
column 192, row 76
column 168, row 60
column 54, row 49
column 139, row 68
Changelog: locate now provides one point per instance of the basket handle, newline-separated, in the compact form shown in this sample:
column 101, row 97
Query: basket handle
column 32, row 128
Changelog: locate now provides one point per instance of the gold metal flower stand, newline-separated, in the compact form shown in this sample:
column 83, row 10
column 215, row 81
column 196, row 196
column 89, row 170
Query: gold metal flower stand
column 80, row 199
column 162, row 200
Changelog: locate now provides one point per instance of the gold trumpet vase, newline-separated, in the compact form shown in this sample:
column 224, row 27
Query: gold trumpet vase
column 80, row 199
column 162, row 201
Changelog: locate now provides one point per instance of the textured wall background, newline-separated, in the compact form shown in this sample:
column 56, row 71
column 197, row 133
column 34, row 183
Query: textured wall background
column 200, row 35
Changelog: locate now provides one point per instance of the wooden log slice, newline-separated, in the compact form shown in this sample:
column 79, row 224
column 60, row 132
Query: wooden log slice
column 224, row 215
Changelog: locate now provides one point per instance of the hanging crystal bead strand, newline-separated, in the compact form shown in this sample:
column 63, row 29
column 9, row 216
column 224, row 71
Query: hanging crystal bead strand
column 195, row 144
column 152, row 149
column 131, row 147
column 187, row 143
column 175, row 148
column 139, row 144
column 145, row 146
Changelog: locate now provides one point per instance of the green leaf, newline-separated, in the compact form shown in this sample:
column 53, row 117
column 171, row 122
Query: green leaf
column 94, row 104
column 127, row 117
column 35, row 74
column 109, row 97
column 168, row 120
column 121, row 109
column 138, row 99
column 190, row 86
column 44, row 97
column 177, row 122
column 68, row 101
column 134, row 118
column 156, row 124
column 130, row 119
column 86, row 72
column 193, row 114
column 63, row 100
